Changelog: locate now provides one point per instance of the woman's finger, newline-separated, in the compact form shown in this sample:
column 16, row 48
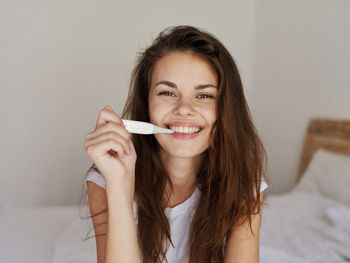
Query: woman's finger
column 110, row 135
column 132, row 147
column 110, row 126
column 103, row 147
column 108, row 115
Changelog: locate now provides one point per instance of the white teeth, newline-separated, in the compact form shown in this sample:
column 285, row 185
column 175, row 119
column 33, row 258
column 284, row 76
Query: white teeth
column 184, row 129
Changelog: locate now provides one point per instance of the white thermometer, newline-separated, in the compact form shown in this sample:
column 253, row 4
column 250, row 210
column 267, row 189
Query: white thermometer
column 141, row 127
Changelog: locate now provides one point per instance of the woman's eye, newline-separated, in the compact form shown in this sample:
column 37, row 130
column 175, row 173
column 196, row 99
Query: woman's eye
column 205, row 96
column 166, row 93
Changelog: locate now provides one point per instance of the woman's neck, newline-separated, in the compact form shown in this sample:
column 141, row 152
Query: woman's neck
column 182, row 173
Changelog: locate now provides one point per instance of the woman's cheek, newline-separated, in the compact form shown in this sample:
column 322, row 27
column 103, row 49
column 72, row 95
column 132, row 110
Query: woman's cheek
column 208, row 113
column 157, row 112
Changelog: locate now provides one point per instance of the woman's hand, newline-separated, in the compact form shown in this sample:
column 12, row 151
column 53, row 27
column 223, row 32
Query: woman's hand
column 113, row 152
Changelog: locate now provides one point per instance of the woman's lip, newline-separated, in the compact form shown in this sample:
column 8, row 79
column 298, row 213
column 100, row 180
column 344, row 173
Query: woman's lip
column 184, row 136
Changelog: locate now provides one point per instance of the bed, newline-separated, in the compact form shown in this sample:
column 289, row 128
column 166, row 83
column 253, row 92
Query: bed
column 309, row 224
column 28, row 234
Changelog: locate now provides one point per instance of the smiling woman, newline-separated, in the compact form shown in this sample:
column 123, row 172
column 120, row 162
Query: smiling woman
column 190, row 196
column 183, row 99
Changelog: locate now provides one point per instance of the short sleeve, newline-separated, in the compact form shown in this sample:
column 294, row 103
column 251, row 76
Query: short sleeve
column 95, row 176
column 263, row 185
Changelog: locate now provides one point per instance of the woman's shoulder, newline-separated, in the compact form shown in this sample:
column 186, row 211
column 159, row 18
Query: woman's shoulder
column 95, row 176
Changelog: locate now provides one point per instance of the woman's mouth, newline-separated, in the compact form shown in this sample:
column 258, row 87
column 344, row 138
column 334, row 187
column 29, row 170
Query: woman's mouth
column 184, row 131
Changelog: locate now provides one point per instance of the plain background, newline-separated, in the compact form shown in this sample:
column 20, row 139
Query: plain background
column 61, row 62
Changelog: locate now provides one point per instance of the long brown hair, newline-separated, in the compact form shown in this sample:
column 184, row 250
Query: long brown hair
column 232, row 166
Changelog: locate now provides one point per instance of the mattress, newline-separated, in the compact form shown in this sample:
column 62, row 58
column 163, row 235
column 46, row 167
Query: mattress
column 28, row 234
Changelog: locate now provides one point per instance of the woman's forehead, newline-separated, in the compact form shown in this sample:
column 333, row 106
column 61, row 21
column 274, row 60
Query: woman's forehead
column 183, row 66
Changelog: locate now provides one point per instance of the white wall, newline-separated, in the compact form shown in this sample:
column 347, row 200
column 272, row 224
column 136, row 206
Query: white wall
column 61, row 62
column 301, row 70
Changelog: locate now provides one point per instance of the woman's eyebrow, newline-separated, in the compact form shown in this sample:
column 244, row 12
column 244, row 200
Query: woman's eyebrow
column 173, row 85
column 204, row 86
column 168, row 83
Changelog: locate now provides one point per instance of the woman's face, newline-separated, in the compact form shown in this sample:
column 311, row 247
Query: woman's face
column 182, row 97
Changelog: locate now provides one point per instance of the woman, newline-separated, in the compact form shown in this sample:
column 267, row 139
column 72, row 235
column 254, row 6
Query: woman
column 190, row 196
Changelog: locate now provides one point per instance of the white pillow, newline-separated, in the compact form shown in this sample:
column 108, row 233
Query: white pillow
column 328, row 174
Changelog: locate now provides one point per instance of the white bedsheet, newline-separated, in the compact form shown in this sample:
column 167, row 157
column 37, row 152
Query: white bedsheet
column 28, row 234
column 71, row 246
column 296, row 228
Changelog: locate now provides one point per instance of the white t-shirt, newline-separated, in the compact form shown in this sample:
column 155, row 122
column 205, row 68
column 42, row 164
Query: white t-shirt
column 179, row 217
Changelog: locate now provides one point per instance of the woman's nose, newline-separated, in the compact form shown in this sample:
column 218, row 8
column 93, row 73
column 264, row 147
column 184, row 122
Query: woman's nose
column 184, row 108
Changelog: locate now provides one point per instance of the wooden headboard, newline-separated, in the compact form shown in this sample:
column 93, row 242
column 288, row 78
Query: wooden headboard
column 329, row 134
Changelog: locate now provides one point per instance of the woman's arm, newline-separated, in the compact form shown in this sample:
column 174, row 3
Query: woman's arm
column 243, row 245
column 120, row 236
column 98, row 203
column 122, row 244
column 113, row 153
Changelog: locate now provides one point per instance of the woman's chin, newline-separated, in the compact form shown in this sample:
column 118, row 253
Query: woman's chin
column 182, row 152
column 179, row 149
